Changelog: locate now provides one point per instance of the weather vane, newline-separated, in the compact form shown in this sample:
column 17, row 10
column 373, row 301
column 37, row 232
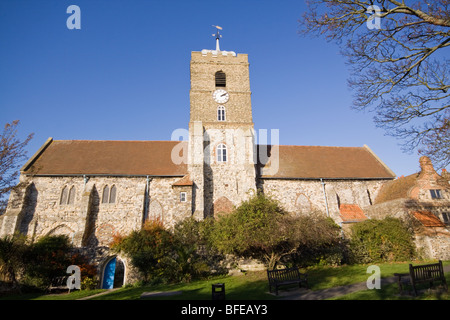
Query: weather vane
column 218, row 36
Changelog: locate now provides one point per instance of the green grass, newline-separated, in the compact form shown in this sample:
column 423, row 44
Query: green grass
column 250, row 286
column 254, row 286
column 390, row 292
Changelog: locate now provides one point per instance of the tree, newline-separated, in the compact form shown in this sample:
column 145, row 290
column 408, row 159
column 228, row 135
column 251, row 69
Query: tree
column 150, row 249
column 262, row 229
column 12, row 251
column 385, row 240
column 255, row 230
column 12, row 153
column 48, row 258
column 399, row 67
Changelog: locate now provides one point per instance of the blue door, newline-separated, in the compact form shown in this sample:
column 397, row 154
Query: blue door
column 108, row 277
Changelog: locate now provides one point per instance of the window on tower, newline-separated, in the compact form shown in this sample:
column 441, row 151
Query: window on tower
column 221, row 79
column 221, row 113
column 221, row 153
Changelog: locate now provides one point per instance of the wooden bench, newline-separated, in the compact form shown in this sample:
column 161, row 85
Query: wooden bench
column 287, row 276
column 58, row 284
column 426, row 273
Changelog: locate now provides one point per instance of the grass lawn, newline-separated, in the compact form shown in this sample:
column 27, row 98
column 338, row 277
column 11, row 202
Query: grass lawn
column 390, row 292
column 254, row 286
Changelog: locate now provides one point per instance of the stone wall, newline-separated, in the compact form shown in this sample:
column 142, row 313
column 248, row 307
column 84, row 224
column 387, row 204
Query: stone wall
column 203, row 68
column 90, row 220
column 305, row 196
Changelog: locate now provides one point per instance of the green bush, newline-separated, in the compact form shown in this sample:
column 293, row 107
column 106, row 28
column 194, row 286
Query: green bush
column 164, row 256
column 149, row 249
column 46, row 259
column 384, row 240
column 260, row 228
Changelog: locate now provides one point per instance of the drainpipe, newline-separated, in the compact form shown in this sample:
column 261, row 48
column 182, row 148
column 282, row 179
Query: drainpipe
column 325, row 196
column 86, row 179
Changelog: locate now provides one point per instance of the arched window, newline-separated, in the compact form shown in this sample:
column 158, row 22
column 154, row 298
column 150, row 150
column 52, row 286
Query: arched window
column 221, row 113
column 64, row 194
column 109, row 194
column 221, row 79
column 71, row 199
column 112, row 194
column 221, row 153
column 105, row 195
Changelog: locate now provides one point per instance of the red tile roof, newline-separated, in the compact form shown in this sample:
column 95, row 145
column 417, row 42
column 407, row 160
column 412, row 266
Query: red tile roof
column 185, row 181
column 428, row 219
column 352, row 212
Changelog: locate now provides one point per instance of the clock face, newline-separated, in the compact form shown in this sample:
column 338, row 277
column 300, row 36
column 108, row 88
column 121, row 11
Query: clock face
column 221, row 96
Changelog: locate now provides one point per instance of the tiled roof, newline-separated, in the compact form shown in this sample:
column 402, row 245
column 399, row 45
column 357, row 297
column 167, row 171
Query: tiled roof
column 351, row 212
column 185, row 181
column 397, row 189
column 313, row 162
column 428, row 219
column 73, row 157
column 90, row 157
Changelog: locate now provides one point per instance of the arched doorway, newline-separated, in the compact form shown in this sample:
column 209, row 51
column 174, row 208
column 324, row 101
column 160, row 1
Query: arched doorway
column 113, row 274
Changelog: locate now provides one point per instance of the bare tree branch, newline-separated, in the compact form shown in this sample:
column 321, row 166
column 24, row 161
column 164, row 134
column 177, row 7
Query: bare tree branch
column 400, row 71
column 12, row 154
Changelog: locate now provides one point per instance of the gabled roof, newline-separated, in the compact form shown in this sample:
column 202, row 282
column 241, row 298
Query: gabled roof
column 313, row 162
column 75, row 157
column 154, row 158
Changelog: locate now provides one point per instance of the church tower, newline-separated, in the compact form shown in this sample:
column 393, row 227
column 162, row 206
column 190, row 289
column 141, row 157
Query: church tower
column 221, row 131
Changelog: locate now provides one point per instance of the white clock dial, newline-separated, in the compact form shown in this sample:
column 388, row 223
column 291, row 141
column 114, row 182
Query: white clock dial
column 221, row 96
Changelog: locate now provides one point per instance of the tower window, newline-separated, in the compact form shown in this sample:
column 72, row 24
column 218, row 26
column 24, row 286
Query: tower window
column 221, row 153
column 183, row 196
column 221, row 113
column 221, row 79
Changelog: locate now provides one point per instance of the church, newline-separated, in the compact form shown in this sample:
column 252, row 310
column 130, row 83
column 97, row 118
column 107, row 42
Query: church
column 91, row 190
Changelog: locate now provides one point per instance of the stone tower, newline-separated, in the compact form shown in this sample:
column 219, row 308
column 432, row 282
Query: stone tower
column 221, row 132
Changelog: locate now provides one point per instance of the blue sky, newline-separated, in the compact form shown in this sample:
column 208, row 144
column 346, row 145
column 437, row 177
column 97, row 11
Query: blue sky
column 125, row 74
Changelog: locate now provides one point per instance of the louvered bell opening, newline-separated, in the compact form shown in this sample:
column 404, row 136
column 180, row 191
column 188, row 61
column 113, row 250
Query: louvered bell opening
column 221, row 79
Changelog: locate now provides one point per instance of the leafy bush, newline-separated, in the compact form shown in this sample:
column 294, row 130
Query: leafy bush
column 261, row 228
column 162, row 255
column 149, row 249
column 46, row 259
column 383, row 240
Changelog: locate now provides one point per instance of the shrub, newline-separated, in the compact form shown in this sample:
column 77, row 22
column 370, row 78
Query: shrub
column 12, row 250
column 46, row 259
column 261, row 228
column 254, row 229
column 195, row 255
column 150, row 250
column 318, row 239
column 383, row 240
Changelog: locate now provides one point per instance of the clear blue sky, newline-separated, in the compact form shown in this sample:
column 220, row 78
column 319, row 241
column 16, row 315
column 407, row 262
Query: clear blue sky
column 125, row 74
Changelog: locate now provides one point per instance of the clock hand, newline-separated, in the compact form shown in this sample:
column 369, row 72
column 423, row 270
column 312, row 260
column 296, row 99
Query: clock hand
column 223, row 95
